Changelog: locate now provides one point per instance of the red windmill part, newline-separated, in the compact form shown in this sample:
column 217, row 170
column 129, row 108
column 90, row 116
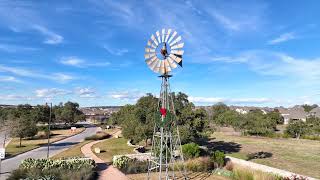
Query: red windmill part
column 163, row 111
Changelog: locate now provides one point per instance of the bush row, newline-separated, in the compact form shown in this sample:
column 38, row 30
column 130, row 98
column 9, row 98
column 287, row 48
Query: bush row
column 45, row 164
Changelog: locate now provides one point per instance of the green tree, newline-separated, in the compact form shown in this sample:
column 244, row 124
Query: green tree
column 218, row 109
column 308, row 108
column 22, row 122
column 276, row 116
column 68, row 113
column 258, row 123
column 297, row 128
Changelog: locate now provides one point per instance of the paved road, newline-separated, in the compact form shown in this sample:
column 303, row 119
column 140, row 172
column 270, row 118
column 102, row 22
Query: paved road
column 9, row 165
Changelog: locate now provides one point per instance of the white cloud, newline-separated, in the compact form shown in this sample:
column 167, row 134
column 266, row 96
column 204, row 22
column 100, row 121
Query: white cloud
column 275, row 64
column 50, row 93
column 77, row 62
column 86, row 92
column 226, row 22
column 127, row 95
column 52, row 38
column 9, row 79
column 13, row 97
column 230, row 100
column 15, row 48
column 283, row 38
column 59, row 77
column 72, row 61
column 115, row 51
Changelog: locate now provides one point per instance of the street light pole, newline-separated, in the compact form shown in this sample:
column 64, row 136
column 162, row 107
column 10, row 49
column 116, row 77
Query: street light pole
column 49, row 130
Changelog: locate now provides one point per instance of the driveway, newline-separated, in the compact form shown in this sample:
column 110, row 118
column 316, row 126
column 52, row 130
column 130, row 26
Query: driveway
column 11, row 164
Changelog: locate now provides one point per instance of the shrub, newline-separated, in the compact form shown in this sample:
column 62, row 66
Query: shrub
column 218, row 158
column 191, row 150
column 98, row 136
column 136, row 166
column 44, row 164
column 121, row 162
column 201, row 164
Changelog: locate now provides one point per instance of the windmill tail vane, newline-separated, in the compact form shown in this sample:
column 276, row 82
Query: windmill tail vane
column 163, row 53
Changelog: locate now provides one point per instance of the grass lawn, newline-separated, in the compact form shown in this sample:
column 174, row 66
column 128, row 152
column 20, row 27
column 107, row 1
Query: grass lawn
column 111, row 147
column 191, row 175
column 28, row 144
column 299, row 156
column 74, row 151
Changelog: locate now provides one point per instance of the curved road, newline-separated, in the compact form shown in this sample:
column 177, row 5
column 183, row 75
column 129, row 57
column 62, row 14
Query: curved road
column 11, row 164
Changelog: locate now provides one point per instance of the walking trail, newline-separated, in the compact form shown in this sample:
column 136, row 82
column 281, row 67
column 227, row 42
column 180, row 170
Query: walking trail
column 105, row 172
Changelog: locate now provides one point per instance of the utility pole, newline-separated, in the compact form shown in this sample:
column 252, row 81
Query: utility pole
column 49, row 130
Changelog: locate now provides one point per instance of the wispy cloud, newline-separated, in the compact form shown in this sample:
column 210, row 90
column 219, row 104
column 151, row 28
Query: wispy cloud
column 59, row 77
column 115, row 51
column 127, row 95
column 9, row 79
column 51, row 37
column 275, row 64
column 283, row 38
column 77, row 62
column 86, row 92
column 230, row 100
column 14, row 97
column 15, row 48
column 50, row 93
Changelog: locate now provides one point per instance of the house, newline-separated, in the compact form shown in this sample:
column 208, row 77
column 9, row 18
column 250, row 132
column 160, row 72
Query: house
column 315, row 112
column 294, row 113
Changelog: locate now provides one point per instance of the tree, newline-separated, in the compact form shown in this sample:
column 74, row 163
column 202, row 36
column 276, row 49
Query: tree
column 22, row 122
column 276, row 116
column 258, row 123
column 41, row 113
column 307, row 108
column 314, row 124
column 218, row 109
column 69, row 113
column 297, row 128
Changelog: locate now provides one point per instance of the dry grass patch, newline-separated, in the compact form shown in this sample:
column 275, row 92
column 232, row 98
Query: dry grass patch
column 299, row 156
column 191, row 175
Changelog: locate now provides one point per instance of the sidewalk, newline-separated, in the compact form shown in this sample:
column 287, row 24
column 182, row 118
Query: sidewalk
column 105, row 172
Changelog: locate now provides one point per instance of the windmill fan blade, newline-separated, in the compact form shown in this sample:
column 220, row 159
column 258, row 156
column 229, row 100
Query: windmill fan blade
column 150, row 61
column 157, row 67
column 177, row 59
column 167, row 66
column 167, row 35
column 147, row 56
column 154, row 40
column 158, row 36
column 153, row 65
column 176, row 41
column 172, row 63
column 163, row 34
column 178, row 46
column 148, row 50
column 178, row 52
column 151, row 44
column 173, row 35
column 162, row 67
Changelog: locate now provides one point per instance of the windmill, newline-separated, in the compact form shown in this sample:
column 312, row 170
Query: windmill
column 163, row 54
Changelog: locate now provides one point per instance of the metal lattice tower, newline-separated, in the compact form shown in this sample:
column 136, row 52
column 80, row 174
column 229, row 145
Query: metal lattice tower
column 166, row 153
column 163, row 53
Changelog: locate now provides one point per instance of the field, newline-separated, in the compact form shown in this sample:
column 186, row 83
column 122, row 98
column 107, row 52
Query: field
column 111, row 147
column 28, row 144
column 299, row 156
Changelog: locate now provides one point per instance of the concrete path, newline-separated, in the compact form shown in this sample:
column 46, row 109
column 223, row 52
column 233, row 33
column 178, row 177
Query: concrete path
column 264, row 168
column 105, row 172
column 13, row 163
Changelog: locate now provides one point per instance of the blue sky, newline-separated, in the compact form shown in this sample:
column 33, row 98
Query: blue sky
column 262, row 53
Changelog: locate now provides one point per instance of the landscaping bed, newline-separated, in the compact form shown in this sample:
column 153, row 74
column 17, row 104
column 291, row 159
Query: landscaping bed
column 75, row 168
